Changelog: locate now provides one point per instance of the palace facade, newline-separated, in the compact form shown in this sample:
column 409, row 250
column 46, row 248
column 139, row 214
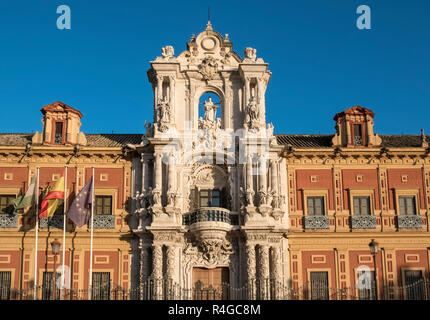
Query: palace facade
column 209, row 197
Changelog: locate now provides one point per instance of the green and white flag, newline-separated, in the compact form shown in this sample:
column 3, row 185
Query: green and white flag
column 30, row 197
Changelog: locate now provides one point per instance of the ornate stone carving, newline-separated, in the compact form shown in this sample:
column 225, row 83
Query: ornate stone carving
column 264, row 262
column 209, row 68
column 208, row 253
column 250, row 55
column 167, row 54
column 157, row 262
column 250, row 261
column 163, row 114
column 170, row 262
column 209, row 121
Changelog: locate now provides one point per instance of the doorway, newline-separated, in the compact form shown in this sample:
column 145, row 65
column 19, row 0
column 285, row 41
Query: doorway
column 211, row 284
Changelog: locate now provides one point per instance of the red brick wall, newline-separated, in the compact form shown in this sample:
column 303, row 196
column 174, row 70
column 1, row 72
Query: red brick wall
column 415, row 180
column 324, row 181
column 370, row 181
column 10, row 261
column 411, row 259
column 319, row 260
column 20, row 177
column 115, row 180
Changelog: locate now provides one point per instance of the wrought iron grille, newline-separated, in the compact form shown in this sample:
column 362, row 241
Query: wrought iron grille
column 8, row 220
column 316, row 222
column 410, row 221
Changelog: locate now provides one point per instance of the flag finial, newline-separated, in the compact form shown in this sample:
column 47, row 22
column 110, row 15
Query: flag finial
column 209, row 25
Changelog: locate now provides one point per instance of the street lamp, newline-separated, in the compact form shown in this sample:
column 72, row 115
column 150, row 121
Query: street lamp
column 374, row 247
column 55, row 250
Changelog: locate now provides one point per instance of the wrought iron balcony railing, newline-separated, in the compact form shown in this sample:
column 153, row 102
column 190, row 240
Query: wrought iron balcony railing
column 103, row 221
column 316, row 222
column 409, row 222
column 8, row 220
column 210, row 214
column 363, row 222
column 52, row 222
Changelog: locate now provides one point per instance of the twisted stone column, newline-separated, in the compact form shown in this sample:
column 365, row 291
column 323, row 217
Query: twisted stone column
column 275, row 259
column 157, row 270
column 143, row 279
column 264, row 272
column 250, row 268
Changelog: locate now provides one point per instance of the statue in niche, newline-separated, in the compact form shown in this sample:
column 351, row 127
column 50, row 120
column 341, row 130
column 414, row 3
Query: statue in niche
column 171, row 197
column 147, row 194
column 164, row 112
column 253, row 110
column 210, row 110
column 209, row 121
column 156, row 194
column 138, row 200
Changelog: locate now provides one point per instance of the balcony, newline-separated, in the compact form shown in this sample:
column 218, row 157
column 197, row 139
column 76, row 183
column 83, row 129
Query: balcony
column 363, row 222
column 211, row 214
column 316, row 222
column 8, row 220
column 103, row 221
column 409, row 222
column 52, row 222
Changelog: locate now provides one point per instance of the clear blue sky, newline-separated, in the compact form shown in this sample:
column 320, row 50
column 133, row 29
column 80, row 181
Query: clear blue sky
column 321, row 63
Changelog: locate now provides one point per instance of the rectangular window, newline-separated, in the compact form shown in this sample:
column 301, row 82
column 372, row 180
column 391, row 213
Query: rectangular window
column 6, row 205
column 407, row 205
column 48, row 286
column 414, row 283
column 366, row 285
column 361, row 206
column 315, row 206
column 358, row 137
column 210, row 198
column 319, row 285
column 58, row 133
column 101, row 286
column 103, row 204
column 5, row 279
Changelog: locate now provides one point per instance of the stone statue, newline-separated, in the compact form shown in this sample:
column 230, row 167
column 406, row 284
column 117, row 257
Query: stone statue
column 243, row 201
column 250, row 196
column 164, row 112
column 149, row 202
column 156, row 194
column 167, row 52
column 171, row 197
column 210, row 110
column 250, row 54
column 252, row 110
column 136, row 198
column 149, row 129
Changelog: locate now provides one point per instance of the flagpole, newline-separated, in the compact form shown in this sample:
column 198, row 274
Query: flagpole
column 64, row 232
column 37, row 234
column 91, row 245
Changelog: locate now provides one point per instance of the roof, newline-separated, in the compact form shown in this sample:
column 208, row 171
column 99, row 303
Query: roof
column 324, row 141
column 93, row 140
column 295, row 140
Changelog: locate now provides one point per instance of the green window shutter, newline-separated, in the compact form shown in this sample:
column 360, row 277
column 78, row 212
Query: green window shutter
column 356, row 206
column 402, row 206
column 319, row 206
column 311, row 209
column 410, row 205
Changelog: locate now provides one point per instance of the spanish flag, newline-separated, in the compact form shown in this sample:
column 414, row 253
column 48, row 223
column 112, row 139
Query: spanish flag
column 52, row 200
